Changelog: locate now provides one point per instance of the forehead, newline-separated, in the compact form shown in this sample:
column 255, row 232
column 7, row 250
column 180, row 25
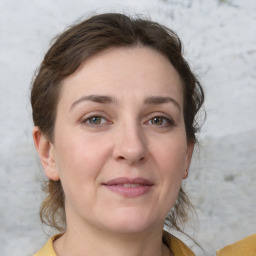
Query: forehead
column 124, row 71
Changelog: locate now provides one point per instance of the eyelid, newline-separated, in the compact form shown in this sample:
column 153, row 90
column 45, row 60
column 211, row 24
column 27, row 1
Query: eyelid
column 88, row 116
column 166, row 117
column 83, row 120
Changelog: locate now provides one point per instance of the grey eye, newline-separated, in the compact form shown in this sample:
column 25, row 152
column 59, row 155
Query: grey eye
column 95, row 120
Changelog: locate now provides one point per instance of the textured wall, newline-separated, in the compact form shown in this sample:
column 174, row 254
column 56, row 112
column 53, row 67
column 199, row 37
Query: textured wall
column 220, row 44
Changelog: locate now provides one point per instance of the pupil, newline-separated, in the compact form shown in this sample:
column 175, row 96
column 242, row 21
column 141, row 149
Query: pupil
column 95, row 120
column 157, row 120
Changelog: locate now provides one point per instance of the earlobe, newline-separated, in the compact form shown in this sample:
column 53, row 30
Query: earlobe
column 46, row 153
column 189, row 154
column 185, row 174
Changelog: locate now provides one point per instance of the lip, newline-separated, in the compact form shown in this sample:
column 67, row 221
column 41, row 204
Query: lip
column 129, row 187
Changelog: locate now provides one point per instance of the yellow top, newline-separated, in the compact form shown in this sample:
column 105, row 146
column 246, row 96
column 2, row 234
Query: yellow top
column 246, row 247
column 177, row 246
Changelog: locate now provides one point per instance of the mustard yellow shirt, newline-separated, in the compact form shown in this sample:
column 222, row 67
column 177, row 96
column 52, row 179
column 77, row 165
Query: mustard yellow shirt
column 244, row 247
column 177, row 246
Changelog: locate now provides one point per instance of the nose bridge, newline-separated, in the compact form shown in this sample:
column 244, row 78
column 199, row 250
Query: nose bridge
column 130, row 141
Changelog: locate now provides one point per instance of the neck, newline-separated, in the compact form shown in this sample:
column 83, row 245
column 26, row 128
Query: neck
column 97, row 243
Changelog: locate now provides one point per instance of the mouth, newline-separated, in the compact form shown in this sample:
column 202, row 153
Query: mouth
column 129, row 187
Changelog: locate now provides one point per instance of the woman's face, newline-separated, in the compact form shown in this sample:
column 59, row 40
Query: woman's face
column 120, row 147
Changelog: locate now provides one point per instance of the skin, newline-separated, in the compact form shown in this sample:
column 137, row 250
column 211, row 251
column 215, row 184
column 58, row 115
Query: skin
column 130, row 135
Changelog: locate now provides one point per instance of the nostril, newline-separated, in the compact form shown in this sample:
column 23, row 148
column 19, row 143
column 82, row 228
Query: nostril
column 142, row 159
column 121, row 158
column 131, row 160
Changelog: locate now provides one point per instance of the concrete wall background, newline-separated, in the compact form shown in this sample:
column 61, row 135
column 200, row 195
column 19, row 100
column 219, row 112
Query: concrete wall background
column 220, row 44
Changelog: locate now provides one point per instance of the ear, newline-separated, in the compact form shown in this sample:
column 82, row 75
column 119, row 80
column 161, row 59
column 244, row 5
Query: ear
column 190, row 149
column 46, row 153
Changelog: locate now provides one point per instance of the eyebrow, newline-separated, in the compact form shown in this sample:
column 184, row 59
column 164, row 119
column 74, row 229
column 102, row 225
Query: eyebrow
column 156, row 100
column 103, row 99
column 95, row 98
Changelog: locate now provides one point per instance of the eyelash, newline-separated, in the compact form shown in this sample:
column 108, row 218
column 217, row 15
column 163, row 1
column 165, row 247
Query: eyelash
column 168, row 122
column 87, row 121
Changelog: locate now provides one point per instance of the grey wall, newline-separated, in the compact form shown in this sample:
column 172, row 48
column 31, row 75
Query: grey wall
column 220, row 44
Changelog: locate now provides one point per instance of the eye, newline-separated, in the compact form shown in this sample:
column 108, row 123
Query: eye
column 95, row 120
column 161, row 121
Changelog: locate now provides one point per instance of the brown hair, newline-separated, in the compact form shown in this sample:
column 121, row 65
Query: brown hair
column 78, row 43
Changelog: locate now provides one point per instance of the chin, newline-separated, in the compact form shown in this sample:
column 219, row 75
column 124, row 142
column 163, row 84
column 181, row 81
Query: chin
column 129, row 228
column 132, row 222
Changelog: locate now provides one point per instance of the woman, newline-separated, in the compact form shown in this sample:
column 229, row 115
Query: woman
column 114, row 105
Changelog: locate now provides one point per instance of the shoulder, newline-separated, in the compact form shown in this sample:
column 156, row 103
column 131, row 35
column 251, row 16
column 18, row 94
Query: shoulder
column 47, row 249
column 246, row 246
column 177, row 246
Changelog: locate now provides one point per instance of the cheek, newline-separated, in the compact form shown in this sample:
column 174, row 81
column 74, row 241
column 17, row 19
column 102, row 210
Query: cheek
column 80, row 157
column 171, row 155
column 170, row 159
column 172, row 166
column 78, row 170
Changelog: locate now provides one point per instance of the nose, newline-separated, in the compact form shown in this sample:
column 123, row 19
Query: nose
column 130, row 145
